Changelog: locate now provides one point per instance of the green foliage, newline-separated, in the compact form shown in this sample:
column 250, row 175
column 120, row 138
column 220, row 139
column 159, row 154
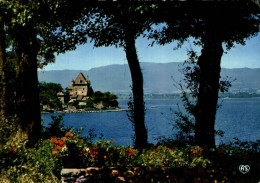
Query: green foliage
column 108, row 99
column 185, row 121
column 48, row 95
column 136, row 17
column 227, row 158
column 41, row 163
column 163, row 156
column 56, row 127
column 66, row 96
column 90, row 89
column 19, row 163
column 89, row 104
column 47, row 19
column 104, row 153
column 11, row 58
column 227, row 26
column 7, row 129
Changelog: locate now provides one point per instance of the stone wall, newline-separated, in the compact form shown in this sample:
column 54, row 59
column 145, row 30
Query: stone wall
column 139, row 174
column 80, row 90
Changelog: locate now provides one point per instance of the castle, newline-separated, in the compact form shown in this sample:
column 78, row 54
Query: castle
column 79, row 89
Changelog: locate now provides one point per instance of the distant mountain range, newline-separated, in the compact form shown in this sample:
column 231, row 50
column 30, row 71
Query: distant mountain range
column 159, row 78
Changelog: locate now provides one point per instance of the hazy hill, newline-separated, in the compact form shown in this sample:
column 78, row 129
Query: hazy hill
column 157, row 77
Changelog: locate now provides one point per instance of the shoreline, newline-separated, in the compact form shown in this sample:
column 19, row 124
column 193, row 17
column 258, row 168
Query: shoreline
column 85, row 111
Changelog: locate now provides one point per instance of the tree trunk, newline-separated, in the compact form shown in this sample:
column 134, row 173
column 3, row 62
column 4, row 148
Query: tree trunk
column 3, row 102
column 2, row 63
column 6, row 104
column 27, row 94
column 209, row 63
column 137, row 88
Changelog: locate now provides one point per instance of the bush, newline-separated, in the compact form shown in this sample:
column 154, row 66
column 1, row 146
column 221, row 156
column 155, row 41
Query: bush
column 103, row 153
column 7, row 130
column 41, row 163
column 237, row 153
column 21, row 164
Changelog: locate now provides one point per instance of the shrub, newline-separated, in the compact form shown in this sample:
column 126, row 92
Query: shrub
column 236, row 153
column 21, row 164
column 103, row 153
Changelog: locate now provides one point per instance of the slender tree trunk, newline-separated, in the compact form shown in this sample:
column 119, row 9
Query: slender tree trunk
column 27, row 94
column 5, row 86
column 2, row 63
column 209, row 63
column 137, row 88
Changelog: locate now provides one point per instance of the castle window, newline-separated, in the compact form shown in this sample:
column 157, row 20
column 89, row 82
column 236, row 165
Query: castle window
column 80, row 81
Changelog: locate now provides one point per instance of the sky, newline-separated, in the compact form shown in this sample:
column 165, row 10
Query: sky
column 86, row 57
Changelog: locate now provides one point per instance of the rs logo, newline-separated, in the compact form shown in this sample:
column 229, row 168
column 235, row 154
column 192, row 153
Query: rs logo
column 244, row 168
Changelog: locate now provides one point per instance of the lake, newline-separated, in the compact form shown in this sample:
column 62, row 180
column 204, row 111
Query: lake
column 238, row 117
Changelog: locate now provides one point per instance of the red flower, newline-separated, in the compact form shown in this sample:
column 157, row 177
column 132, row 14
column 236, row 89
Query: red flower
column 53, row 139
column 95, row 148
column 63, row 138
column 129, row 152
column 54, row 152
column 57, row 147
column 93, row 156
column 13, row 150
column 60, row 143
column 196, row 151
column 68, row 134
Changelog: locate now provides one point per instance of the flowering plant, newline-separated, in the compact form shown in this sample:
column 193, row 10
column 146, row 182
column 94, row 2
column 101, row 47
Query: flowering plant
column 67, row 145
column 163, row 156
column 104, row 153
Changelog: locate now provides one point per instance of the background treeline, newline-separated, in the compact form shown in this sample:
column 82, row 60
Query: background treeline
column 48, row 94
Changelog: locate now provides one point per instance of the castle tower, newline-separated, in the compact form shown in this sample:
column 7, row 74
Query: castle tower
column 78, row 90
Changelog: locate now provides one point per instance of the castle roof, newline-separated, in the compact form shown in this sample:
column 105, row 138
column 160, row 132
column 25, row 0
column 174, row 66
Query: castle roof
column 70, row 87
column 81, row 79
column 80, row 97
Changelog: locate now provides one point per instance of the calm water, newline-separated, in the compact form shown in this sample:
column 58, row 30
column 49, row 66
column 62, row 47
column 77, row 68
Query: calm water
column 237, row 118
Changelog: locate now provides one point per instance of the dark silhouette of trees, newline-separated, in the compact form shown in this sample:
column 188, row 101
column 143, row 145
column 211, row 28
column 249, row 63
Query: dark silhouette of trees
column 6, row 69
column 219, row 25
column 212, row 24
column 119, row 24
column 38, row 29
column 3, row 103
column 29, row 25
column 48, row 95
